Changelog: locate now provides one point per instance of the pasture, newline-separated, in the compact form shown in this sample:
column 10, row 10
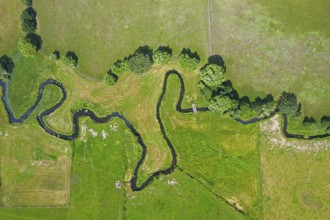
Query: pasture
column 295, row 175
column 225, row 170
column 101, row 32
column 263, row 56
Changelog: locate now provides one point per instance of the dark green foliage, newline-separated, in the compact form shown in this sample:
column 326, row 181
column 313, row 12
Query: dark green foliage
column 223, row 104
column 34, row 39
column 162, row 55
column 207, row 92
column 288, row 104
column 328, row 130
column 27, row 2
column 70, row 59
column 121, row 67
column 189, row 60
column 28, row 18
column 218, row 60
column 308, row 120
column 6, row 67
column 7, row 63
column 111, row 78
column 55, row 55
column 140, row 63
column 244, row 102
column 325, row 121
column 212, row 75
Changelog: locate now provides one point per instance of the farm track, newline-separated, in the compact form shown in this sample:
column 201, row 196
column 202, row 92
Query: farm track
column 86, row 112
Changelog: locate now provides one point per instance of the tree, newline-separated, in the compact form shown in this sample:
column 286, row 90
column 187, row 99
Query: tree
column 162, row 55
column 188, row 59
column 325, row 121
column 121, row 67
column 288, row 104
column 27, row 48
column 111, row 78
column 6, row 67
column 70, row 59
column 29, row 21
column 212, row 75
column 223, row 104
column 140, row 63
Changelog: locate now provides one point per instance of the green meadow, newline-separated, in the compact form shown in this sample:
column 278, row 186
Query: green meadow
column 225, row 170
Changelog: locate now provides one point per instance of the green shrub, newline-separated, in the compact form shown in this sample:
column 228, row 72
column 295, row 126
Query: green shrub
column 27, row 48
column 212, row 75
column 70, row 59
column 325, row 121
column 28, row 18
column 188, row 62
column 161, row 56
column 222, row 104
column 288, row 104
column 121, row 67
column 140, row 63
column 111, row 79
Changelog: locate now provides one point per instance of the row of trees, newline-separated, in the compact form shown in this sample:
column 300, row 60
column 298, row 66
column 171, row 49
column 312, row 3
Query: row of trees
column 225, row 99
column 31, row 43
column 29, row 19
column 143, row 58
column 139, row 62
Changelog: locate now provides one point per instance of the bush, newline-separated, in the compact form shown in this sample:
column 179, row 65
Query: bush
column 288, row 104
column 325, row 121
column 111, row 79
column 28, row 18
column 140, row 63
column 222, row 104
column 121, row 67
column 6, row 67
column 308, row 120
column 27, row 48
column 189, row 60
column 212, row 75
column 27, row 2
column 162, row 55
column 70, row 59
column 55, row 55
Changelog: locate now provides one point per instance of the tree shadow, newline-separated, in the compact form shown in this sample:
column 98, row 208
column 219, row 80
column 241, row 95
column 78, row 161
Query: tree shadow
column 191, row 54
column 7, row 63
column 34, row 39
column 73, row 56
column 145, row 50
column 165, row 49
column 218, row 60
column 56, row 54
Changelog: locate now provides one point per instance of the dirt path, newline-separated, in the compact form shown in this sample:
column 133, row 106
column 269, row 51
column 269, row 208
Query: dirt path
column 210, row 44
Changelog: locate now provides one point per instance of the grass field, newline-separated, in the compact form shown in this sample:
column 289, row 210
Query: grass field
column 295, row 176
column 100, row 32
column 10, row 30
column 35, row 167
column 264, row 57
column 223, row 168
column 300, row 16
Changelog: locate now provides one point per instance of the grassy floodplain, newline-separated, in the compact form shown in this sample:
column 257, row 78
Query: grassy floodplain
column 223, row 166
column 295, row 175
